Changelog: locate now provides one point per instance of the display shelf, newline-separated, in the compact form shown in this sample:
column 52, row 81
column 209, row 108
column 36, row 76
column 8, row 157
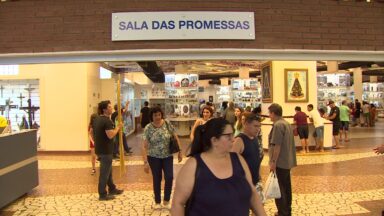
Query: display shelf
column 246, row 92
column 223, row 93
column 373, row 93
column 380, row 113
column 181, row 103
column 181, row 95
column 334, row 87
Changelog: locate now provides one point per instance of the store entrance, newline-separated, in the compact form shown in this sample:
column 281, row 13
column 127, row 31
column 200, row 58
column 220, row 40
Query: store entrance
column 179, row 87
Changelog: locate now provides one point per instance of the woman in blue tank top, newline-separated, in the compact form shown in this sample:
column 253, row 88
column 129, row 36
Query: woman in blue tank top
column 215, row 181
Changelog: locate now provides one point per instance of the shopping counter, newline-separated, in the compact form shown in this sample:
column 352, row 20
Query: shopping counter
column 183, row 125
column 266, row 127
column 18, row 165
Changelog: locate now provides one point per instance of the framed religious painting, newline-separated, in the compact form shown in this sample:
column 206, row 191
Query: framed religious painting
column 266, row 83
column 296, row 85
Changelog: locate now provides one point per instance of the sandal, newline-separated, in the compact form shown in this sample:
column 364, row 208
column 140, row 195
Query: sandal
column 93, row 171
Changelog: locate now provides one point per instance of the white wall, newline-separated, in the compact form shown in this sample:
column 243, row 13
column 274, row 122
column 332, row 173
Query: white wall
column 65, row 104
column 108, row 90
column 94, row 88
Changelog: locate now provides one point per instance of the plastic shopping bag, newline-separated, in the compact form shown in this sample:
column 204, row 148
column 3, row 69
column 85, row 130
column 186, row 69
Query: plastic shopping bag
column 272, row 189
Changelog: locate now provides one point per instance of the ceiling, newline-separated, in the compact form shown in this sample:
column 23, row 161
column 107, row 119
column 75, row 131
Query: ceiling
column 225, row 68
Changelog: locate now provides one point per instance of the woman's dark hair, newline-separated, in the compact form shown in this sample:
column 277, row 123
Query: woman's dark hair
column 224, row 105
column 154, row 110
column 102, row 106
column 238, row 119
column 298, row 108
column 92, row 120
column 207, row 108
column 203, row 134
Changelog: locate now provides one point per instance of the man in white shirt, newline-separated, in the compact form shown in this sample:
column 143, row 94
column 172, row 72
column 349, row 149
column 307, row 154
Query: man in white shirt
column 318, row 122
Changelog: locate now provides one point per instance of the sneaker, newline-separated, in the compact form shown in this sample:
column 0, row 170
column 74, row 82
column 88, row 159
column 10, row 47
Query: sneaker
column 93, row 172
column 157, row 206
column 128, row 153
column 106, row 197
column 116, row 192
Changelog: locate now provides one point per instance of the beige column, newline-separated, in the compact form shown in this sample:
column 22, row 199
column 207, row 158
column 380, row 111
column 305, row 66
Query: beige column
column 278, row 91
column 358, row 83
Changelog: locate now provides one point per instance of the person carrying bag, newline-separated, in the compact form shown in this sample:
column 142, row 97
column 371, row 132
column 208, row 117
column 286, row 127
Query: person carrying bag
column 272, row 189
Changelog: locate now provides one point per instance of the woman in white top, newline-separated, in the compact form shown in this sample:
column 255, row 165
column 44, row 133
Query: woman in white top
column 207, row 114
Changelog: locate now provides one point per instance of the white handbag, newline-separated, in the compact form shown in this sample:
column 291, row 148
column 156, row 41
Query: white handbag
column 272, row 189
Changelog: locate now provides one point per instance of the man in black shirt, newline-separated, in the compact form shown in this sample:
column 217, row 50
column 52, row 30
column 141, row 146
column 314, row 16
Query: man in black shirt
column 334, row 116
column 104, row 132
column 144, row 115
column 356, row 115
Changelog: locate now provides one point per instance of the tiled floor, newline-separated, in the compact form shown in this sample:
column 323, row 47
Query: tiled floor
column 348, row 181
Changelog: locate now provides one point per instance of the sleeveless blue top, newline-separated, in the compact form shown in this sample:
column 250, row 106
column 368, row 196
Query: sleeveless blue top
column 224, row 197
column 251, row 154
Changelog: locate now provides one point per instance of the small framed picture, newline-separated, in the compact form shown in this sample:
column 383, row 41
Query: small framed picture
column 266, row 83
column 296, row 85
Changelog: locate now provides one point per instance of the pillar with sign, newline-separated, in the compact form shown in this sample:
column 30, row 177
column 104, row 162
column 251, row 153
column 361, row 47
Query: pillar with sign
column 292, row 83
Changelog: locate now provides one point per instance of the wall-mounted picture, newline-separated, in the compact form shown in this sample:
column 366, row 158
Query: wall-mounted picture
column 296, row 85
column 266, row 80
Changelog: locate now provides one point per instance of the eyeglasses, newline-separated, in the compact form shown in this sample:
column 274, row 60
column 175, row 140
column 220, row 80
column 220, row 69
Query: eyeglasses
column 229, row 135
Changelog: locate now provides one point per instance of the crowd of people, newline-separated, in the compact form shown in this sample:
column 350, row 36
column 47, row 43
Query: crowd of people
column 222, row 174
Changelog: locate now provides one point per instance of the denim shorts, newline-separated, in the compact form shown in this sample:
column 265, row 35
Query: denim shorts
column 319, row 132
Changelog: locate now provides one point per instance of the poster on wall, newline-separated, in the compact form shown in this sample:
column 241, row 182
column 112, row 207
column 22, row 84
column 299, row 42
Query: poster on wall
column 181, row 80
column 266, row 79
column 296, row 85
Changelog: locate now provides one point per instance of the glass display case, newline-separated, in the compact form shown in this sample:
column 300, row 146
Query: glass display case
column 181, row 102
column 336, row 87
column 128, row 93
column 246, row 92
column 20, row 103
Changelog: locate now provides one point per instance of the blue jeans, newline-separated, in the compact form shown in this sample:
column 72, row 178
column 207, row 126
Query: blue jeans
column 105, row 177
column 158, row 165
column 320, row 132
